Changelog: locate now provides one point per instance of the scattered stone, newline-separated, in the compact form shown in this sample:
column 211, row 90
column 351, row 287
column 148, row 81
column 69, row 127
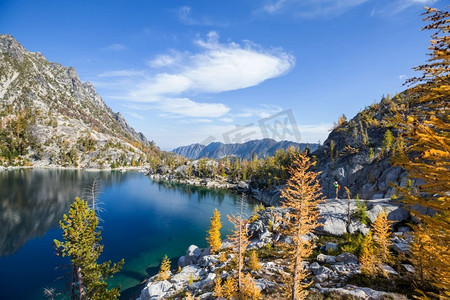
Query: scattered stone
column 326, row 258
column 409, row 268
column 389, row 270
column 320, row 277
column 330, row 246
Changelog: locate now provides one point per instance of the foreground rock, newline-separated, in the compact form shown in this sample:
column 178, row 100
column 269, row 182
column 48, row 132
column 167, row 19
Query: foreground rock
column 199, row 269
column 334, row 215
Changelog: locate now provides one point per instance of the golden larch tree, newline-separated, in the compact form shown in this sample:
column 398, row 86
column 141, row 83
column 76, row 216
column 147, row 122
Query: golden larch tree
column 239, row 241
column 368, row 260
column 218, row 290
column 213, row 237
column 381, row 228
column 426, row 157
column 229, row 288
column 164, row 270
column 253, row 261
column 301, row 197
column 249, row 288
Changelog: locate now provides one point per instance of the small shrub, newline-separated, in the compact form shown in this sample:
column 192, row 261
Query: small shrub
column 360, row 212
column 353, row 244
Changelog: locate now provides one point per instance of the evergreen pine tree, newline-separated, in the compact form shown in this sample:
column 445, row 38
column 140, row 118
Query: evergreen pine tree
column 82, row 245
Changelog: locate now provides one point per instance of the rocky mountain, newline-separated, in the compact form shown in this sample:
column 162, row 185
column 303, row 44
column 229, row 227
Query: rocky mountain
column 50, row 118
column 216, row 150
column 358, row 152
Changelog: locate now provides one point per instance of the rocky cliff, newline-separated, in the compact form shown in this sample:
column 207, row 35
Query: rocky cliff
column 49, row 117
column 216, row 150
column 358, row 152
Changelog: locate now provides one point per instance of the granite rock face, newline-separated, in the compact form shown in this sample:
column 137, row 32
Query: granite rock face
column 70, row 124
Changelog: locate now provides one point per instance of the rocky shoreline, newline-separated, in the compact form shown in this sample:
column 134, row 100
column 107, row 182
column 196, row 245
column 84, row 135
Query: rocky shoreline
column 331, row 270
column 268, row 197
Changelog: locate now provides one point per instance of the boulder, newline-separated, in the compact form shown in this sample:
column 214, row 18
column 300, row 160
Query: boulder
column 193, row 254
column 347, row 258
column 208, row 261
column 242, row 186
column 155, row 290
column 326, row 258
column 186, row 274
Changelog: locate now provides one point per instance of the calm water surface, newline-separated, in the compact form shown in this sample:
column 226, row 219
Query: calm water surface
column 142, row 221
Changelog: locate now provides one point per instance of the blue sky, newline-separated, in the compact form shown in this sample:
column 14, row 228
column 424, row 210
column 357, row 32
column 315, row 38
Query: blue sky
column 194, row 71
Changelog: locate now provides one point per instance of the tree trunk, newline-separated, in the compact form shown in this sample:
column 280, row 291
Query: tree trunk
column 80, row 284
column 297, row 265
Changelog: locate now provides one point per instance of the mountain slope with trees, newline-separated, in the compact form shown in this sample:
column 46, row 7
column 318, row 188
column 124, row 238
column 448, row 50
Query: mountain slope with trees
column 50, row 118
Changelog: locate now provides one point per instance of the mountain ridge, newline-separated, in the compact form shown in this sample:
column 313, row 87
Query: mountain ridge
column 63, row 121
column 262, row 148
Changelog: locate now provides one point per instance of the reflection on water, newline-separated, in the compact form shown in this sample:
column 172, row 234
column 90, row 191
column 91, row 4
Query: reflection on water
column 32, row 201
column 143, row 220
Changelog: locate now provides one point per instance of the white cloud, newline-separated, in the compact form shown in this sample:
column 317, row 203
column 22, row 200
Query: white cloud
column 115, row 47
column 402, row 77
column 122, row 73
column 216, row 68
column 162, row 61
column 309, row 8
column 189, row 108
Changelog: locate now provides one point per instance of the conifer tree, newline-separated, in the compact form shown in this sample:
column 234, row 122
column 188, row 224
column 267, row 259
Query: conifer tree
column 249, row 288
column 301, row 196
column 164, row 270
column 253, row 261
column 381, row 228
column 82, row 245
column 368, row 260
column 218, row 290
column 229, row 288
column 239, row 240
column 213, row 237
column 427, row 157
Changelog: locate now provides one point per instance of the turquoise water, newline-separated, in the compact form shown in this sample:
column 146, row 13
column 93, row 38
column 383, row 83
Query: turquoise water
column 142, row 221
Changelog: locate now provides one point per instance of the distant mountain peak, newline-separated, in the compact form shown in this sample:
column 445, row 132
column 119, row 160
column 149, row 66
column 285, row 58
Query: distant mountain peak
column 216, row 150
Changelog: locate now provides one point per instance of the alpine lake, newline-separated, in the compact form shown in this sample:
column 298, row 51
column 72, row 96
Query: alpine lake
column 141, row 220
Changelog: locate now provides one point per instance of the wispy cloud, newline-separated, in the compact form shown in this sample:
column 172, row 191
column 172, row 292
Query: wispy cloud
column 136, row 115
column 263, row 111
column 216, row 68
column 184, row 15
column 114, row 47
column 393, row 7
column 122, row 73
column 309, row 8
